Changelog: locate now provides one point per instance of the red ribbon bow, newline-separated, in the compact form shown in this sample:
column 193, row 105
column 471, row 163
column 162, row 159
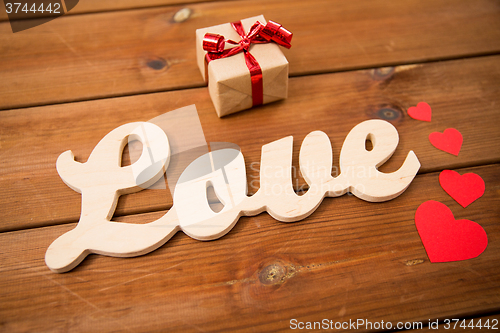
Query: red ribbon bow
column 258, row 34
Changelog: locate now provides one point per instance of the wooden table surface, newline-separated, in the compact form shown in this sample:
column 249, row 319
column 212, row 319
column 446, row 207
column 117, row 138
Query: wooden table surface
column 67, row 83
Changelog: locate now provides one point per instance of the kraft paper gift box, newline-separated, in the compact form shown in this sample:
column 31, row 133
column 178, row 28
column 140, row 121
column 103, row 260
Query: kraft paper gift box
column 229, row 79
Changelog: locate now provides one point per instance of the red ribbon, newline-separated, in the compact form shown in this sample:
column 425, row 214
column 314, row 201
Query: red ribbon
column 258, row 34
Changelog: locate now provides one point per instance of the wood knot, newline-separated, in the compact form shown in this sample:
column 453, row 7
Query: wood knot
column 272, row 274
column 383, row 73
column 157, row 63
column 182, row 15
column 277, row 273
column 414, row 262
column 388, row 114
column 387, row 111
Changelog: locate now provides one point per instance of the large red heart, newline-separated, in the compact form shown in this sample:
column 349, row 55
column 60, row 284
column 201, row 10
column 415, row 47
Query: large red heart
column 464, row 189
column 446, row 239
column 449, row 141
column 420, row 112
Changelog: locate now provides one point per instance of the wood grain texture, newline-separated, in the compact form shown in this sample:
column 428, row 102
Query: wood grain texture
column 460, row 93
column 96, row 6
column 80, row 57
column 350, row 259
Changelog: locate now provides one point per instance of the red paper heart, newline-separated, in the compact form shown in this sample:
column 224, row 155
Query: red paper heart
column 420, row 112
column 446, row 239
column 464, row 189
column 449, row 141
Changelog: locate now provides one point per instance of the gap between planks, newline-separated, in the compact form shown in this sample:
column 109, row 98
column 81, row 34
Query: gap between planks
column 356, row 41
column 196, row 86
column 119, row 217
column 477, row 106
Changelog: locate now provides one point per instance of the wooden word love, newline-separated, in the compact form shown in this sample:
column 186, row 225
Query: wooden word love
column 101, row 180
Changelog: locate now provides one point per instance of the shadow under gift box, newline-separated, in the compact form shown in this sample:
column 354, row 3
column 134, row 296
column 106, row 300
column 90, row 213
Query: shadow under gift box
column 229, row 81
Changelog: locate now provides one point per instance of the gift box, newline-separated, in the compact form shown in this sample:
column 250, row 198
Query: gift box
column 243, row 63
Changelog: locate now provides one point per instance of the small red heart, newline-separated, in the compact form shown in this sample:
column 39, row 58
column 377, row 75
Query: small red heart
column 449, row 141
column 464, row 189
column 446, row 239
column 420, row 112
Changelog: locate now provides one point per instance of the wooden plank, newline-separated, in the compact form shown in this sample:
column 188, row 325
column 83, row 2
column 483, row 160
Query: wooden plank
column 349, row 260
column 81, row 57
column 96, row 6
column 460, row 92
